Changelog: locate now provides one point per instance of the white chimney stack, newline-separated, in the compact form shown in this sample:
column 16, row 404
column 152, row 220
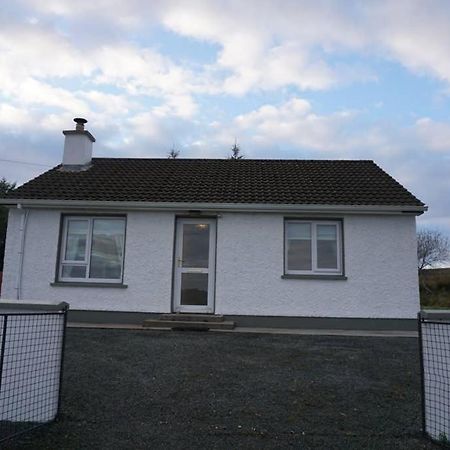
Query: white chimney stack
column 77, row 146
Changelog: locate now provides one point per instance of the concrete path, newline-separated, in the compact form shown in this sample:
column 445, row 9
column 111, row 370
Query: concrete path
column 305, row 332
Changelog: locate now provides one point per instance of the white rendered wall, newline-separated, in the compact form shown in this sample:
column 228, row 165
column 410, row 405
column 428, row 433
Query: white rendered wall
column 148, row 264
column 380, row 263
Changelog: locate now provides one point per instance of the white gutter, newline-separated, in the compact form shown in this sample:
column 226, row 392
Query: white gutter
column 22, row 231
column 216, row 207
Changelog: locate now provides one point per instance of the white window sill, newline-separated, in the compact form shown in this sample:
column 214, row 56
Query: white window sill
column 313, row 276
column 88, row 284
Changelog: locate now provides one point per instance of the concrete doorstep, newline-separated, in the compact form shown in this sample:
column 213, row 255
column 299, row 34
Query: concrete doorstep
column 301, row 332
column 190, row 322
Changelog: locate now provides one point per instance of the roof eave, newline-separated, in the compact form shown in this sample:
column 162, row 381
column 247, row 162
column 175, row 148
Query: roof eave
column 216, row 207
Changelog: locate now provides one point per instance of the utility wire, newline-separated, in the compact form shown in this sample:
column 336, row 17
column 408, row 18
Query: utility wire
column 25, row 162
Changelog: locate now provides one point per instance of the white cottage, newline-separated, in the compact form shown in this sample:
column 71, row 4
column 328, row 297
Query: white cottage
column 282, row 243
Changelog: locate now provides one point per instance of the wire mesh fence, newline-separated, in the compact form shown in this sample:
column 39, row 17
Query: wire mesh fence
column 31, row 358
column 434, row 341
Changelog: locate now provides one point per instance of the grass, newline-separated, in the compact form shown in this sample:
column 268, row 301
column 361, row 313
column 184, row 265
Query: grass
column 435, row 289
column 178, row 390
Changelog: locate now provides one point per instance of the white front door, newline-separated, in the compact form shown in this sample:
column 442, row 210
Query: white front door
column 194, row 265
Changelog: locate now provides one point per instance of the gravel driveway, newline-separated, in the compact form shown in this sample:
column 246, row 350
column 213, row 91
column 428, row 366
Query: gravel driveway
column 189, row 390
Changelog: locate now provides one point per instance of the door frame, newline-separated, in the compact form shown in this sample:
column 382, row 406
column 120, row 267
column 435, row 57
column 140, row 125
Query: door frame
column 176, row 274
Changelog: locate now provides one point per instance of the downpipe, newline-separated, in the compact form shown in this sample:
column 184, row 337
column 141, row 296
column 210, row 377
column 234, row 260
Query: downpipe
column 22, row 233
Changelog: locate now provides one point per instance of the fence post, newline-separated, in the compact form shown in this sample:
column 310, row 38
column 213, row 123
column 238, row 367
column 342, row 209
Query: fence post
column 422, row 374
column 2, row 350
column 65, row 309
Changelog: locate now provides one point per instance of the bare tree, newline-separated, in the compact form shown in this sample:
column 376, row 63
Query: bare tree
column 236, row 151
column 173, row 154
column 432, row 248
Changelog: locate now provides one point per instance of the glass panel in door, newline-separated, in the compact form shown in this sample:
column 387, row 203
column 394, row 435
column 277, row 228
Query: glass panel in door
column 194, row 289
column 195, row 245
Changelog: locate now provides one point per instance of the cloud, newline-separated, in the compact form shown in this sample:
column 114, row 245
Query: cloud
column 13, row 119
column 109, row 103
column 264, row 52
column 37, row 59
column 30, row 91
column 39, row 65
column 36, row 51
column 145, row 124
column 426, row 175
column 127, row 14
column 267, row 50
column 142, row 71
column 435, row 135
column 265, row 45
column 295, row 123
column 415, row 33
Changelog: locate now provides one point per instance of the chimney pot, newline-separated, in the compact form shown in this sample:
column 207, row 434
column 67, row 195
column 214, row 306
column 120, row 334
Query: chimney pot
column 79, row 123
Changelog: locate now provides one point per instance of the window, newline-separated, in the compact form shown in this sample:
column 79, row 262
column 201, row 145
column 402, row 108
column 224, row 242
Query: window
column 92, row 249
column 313, row 247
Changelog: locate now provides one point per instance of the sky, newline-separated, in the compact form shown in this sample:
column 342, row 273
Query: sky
column 286, row 79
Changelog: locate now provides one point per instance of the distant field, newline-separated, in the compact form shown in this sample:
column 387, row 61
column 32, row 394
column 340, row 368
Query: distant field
column 435, row 288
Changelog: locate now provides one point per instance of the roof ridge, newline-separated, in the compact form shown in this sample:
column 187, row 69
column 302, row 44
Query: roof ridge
column 137, row 158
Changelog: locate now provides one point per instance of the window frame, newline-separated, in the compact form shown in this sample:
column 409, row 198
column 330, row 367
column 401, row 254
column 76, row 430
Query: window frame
column 316, row 271
column 65, row 219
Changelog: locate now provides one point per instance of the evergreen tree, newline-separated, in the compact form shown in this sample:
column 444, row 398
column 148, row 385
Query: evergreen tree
column 173, row 154
column 236, row 152
column 5, row 187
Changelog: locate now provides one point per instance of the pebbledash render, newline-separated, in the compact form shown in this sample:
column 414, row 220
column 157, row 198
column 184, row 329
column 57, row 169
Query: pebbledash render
column 266, row 242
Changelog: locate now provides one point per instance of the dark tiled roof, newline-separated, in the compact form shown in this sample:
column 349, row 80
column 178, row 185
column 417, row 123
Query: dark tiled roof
column 340, row 182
